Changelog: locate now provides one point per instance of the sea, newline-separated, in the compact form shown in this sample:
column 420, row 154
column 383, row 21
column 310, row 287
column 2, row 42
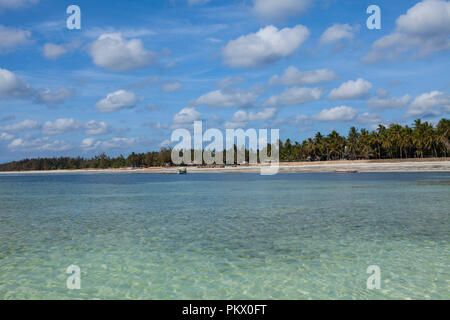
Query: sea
column 225, row 236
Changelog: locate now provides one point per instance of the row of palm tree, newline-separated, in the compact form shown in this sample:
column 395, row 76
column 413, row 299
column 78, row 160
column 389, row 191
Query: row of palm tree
column 393, row 142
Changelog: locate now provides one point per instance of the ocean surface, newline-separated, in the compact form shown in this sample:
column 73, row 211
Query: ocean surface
column 225, row 236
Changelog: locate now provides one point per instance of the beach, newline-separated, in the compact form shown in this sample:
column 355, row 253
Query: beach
column 342, row 166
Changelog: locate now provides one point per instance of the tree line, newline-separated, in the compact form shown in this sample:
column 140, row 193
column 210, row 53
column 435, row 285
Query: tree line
column 420, row 140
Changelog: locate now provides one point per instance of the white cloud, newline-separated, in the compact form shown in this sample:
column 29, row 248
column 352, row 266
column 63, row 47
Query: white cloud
column 21, row 126
column 53, row 51
column 293, row 96
column 53, row 97
column 227, row 98
column 241, row 118
column 112, row 52
column 16, row 4
column 38, row 144
column 338, row 32
column 294, row 77
column 90, row 144
column 265, row 46
column 12, row 38
column 424, row 29
column 351, row 90
column 172, row 87
column 95, row 128
column 186, row 115
column 388, row 103
column 117, row 100
column 60, row 126
column 114, row 143
column 434, row 103
column 264, row 115
column 6, row 136
column 337, row 114
column 12, row 86
column 280, row 9
column 369, row 118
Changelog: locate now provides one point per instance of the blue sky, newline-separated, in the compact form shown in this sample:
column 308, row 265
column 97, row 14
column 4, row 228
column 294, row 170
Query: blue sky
column 137, row 70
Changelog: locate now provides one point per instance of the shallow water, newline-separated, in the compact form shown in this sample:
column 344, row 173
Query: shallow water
column 225, row 236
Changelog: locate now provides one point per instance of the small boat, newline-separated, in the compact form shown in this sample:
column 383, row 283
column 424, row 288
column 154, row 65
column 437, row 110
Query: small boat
column 345, row 171
column 182, row 171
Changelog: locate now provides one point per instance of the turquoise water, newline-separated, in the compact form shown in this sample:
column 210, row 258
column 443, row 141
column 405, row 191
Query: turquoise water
column 225, row 236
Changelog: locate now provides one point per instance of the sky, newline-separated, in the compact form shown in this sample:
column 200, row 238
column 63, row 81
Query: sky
column 137, row 70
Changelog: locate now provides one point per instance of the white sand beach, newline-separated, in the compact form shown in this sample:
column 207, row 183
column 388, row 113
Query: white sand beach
column 344, row 166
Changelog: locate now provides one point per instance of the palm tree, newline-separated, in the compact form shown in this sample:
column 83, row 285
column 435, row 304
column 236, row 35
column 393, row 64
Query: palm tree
column 443, row 136
column 336, row 145
column 352, row 146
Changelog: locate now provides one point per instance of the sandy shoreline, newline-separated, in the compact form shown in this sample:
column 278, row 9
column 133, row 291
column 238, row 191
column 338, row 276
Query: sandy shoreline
column 415, row 165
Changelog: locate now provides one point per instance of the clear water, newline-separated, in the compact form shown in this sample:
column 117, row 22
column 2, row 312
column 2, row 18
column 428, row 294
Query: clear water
column 225, row 236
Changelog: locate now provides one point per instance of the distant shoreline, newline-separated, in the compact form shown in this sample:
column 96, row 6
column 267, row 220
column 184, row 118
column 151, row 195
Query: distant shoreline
column 342, row 166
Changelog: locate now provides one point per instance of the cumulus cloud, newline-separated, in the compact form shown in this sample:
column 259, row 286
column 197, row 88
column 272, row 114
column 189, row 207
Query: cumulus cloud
column 53, row 51
column 95, row 128
column 351, row 90
column 264, row 115
column 53, row 97
column 16, row 4
column 12, row 86
column 369, row 118
column 117, row 100
column 60, row 126
column 115, row 53
column 265, row 46
column 21, row 126
column 434, row 103
column 338, row 32
column 388, row 103
column 227, row 98
column 294, row 96
column 172, row 87
column 424, row 29
column 12, row 38
column 280, row 9
column 38, row 144
column 186, row 115
column 337, row 114
column 89, row 144
column 241, row 118
column 6, row 136
column 294, row 77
